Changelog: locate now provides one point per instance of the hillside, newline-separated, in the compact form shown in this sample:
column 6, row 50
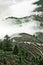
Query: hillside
column 20, row 49
column 16, row 20
column 24, row 37
column 31, row 43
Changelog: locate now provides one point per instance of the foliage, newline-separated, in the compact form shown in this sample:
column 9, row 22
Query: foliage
column 7, row 46
column 39, row 16
column 12, row 53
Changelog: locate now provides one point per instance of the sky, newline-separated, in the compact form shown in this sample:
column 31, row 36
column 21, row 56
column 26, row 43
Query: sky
column 17, row 8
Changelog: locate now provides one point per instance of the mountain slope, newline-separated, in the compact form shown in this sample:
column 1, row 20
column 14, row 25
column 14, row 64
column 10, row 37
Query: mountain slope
column 30, row 43
column 24, row 37
column 16, row 20
column 29, row 49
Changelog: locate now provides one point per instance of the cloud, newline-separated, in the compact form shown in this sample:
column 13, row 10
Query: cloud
column 17, row 8
column 4, row 7
column 30, row 28
column 19, row 0
column 10, row 7
column 22, row 9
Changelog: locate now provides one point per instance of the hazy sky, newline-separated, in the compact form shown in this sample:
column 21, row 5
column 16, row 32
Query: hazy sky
column 16, row 8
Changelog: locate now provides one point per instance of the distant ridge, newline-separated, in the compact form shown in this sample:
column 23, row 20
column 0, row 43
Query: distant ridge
column 17, row 20
column 17, row 17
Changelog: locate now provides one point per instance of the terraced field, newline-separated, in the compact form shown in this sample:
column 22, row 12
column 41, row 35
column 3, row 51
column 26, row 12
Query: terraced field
column 29, row 47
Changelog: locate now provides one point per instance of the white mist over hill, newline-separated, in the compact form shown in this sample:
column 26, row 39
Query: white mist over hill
column 17, row 8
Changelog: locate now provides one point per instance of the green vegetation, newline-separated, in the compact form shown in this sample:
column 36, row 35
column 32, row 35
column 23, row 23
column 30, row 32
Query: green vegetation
column 20, row 52
column 26, row 49
column 7, row 46
column 15, row 20
column 39, row 16
column 40, row 8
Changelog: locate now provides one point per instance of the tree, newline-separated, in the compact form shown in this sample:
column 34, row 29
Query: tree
column 1, row 45
column 7, row 46
column 15, row 51
column 39, row 10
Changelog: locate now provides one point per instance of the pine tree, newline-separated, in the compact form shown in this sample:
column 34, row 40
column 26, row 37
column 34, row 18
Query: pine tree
column 7, row 46
column 1, row 45
column 40, row 6
column 39, row 10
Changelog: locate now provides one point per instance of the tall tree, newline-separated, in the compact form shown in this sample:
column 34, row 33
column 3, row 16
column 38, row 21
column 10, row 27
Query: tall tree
column 7, row 43
column 1, row 45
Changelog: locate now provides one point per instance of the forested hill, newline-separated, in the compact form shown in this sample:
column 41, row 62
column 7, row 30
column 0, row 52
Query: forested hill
column 21, row 49
column 17, row 20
